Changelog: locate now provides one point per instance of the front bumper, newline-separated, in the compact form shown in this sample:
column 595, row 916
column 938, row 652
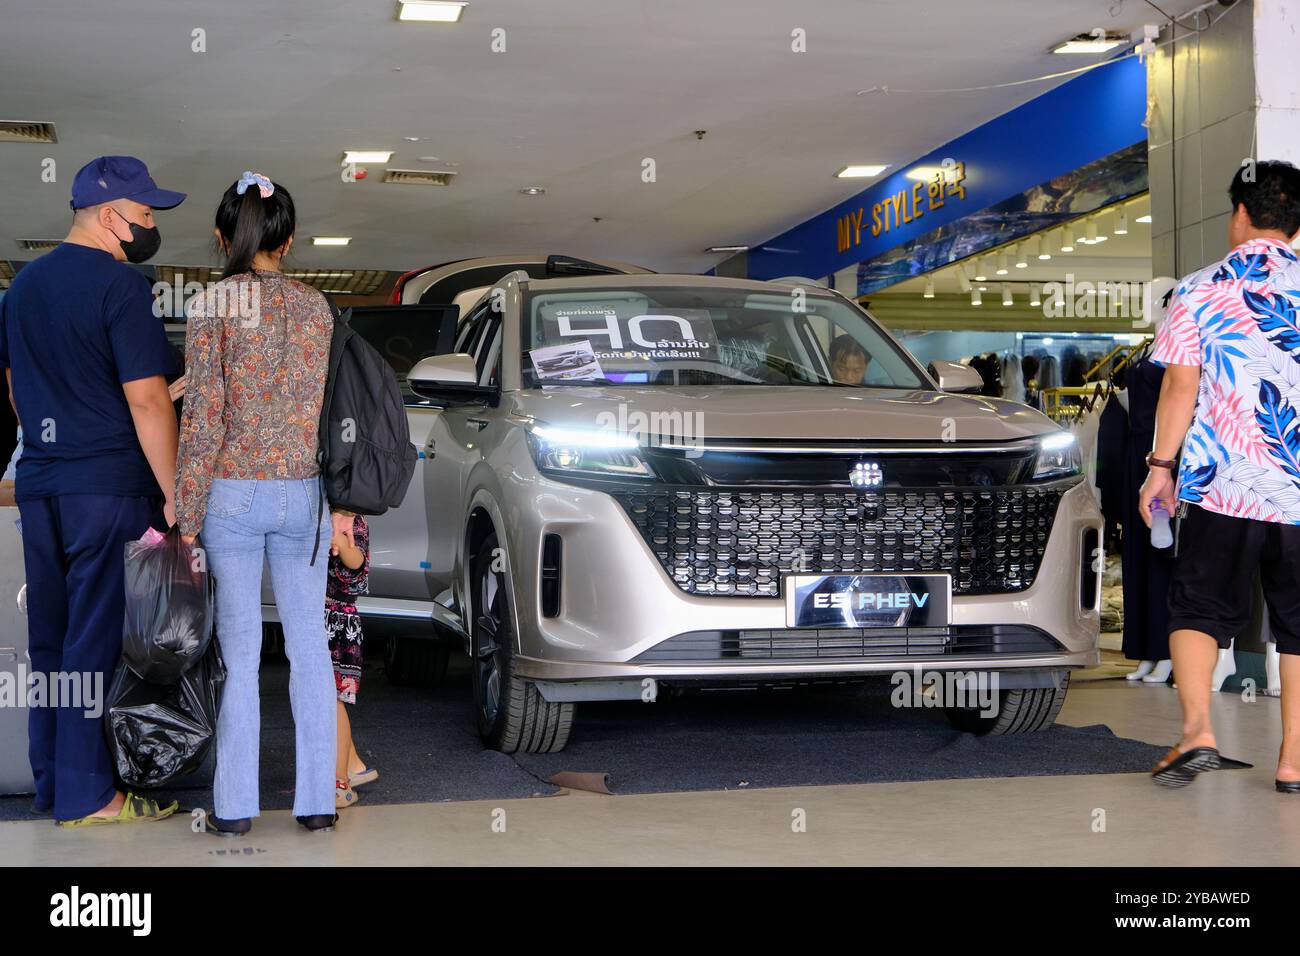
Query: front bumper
column 617, row 603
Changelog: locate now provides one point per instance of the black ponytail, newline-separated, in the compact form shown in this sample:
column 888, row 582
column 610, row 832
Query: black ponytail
column 249, row 224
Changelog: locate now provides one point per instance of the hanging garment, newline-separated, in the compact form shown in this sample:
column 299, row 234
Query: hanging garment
column 1049, row 375
column 1085, row 431
column 1146, row 569
column 1013, row 380
column 1111, row 458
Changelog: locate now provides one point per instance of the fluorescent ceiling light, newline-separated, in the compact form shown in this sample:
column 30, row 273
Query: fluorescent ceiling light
column 367, row 155
column 1089, row 43
column 861, row 171
column 430, row 11
column 727, row 249
column 924, row 173
column 330, row 240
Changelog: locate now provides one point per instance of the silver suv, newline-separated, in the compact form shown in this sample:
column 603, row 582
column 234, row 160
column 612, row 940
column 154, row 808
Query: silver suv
column 633, row 484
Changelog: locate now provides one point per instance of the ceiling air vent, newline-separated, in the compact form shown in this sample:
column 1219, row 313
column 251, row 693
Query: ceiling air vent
column 38, row 245
column 13, row 131
column 418, row 177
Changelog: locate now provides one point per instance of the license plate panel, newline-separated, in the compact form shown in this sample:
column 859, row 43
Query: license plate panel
column 867, row 600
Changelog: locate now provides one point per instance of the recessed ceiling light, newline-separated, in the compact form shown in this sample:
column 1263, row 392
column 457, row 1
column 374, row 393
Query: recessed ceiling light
column 367, row 155
column 428, row 159
column 411, row 139
column 727, row 249
column 864, row 171
column 1143, row 219
column 431, row 11
column 330, row 240
column 533, row 190
column 1090, row 43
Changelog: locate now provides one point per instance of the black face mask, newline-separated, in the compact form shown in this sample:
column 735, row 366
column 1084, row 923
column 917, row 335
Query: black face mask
column 143, row 243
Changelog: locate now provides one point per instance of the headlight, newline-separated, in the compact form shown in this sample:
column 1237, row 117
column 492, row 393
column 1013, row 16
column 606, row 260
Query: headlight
column 1058, row 456
column 595, row 453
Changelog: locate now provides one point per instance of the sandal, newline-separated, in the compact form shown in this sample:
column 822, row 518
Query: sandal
column 135, row 809
column 1182, row 769
column 344, row 796
column 362, row 777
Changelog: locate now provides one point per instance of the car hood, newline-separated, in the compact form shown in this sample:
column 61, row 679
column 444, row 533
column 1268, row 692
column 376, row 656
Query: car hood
column 806, row 412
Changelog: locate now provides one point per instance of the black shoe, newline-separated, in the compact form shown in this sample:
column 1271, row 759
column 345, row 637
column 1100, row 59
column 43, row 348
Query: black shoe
column 41, row 811
column 320, row 823
column 227, row 828
column 1287, row 786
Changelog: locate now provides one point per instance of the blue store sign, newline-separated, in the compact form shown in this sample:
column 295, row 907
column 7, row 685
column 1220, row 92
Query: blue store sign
column 1083, row 120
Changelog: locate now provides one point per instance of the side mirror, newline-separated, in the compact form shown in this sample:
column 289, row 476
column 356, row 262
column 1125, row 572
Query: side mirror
column 447, row 379
column 955, row 377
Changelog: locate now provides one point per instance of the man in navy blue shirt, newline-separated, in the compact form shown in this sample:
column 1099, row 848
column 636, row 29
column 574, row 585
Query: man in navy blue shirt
column 86, row 361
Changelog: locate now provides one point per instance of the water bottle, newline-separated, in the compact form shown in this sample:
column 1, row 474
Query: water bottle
column 1162, row 536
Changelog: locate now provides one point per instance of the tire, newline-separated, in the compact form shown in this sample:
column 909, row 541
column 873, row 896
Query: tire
column 1023, row 711
column 415, row 661
column 511, row 713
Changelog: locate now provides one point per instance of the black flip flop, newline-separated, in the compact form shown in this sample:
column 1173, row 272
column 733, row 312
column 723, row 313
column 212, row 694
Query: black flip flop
column 1185, row 768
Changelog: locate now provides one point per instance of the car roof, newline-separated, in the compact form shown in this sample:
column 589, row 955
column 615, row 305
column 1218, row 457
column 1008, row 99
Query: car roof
column 663, row 279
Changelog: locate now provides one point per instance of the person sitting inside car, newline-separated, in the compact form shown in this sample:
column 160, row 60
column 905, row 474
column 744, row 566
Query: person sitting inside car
column 849, row 360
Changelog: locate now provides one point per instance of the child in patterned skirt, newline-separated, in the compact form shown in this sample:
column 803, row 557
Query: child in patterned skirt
column 349, row 570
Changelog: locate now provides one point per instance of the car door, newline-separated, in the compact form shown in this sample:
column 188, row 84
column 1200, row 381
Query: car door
column 452, row 448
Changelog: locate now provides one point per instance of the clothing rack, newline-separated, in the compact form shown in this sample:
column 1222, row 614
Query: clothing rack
column 1090, row 397
column 1129, row 352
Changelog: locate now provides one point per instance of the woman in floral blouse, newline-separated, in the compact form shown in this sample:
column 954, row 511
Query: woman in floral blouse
column 257, row 353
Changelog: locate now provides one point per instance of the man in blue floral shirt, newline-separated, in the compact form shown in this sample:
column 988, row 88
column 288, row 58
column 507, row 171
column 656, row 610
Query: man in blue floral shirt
column 1231, row 401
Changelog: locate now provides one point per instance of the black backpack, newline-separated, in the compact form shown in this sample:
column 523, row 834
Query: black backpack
column 366, row 456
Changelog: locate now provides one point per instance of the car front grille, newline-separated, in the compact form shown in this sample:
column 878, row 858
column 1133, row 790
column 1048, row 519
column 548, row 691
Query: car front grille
column 819, row 645
column 739, row 543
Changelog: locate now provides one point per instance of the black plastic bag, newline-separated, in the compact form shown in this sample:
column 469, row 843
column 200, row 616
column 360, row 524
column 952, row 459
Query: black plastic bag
column 170, row 611
column 157, row 733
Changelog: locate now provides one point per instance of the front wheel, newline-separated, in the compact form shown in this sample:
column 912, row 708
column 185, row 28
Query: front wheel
column 512, row 714
column 1022, row 711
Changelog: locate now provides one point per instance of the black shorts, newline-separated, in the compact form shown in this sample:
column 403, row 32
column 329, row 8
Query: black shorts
column 1212, row 588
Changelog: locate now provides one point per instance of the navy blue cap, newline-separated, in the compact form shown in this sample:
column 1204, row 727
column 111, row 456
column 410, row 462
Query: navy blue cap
column 119, row 177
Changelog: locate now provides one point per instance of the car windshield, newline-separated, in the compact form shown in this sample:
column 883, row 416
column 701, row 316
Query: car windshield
column 703, row 335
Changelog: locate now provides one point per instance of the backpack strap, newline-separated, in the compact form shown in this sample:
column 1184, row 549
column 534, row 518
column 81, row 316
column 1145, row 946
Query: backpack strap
column 338, row 342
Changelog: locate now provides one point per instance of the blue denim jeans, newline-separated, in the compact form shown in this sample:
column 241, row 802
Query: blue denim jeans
column 279, row 519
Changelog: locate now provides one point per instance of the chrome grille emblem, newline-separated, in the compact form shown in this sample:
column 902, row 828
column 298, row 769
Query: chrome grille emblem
column 866, row 474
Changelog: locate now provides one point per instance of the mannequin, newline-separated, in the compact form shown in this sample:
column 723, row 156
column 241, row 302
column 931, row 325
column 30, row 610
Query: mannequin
column 1153, row 309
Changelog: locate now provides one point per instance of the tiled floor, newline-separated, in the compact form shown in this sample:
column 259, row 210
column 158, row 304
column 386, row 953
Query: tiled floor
column 1229, row 817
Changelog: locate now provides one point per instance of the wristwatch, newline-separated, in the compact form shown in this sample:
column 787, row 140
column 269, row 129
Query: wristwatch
column 1154, row 462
